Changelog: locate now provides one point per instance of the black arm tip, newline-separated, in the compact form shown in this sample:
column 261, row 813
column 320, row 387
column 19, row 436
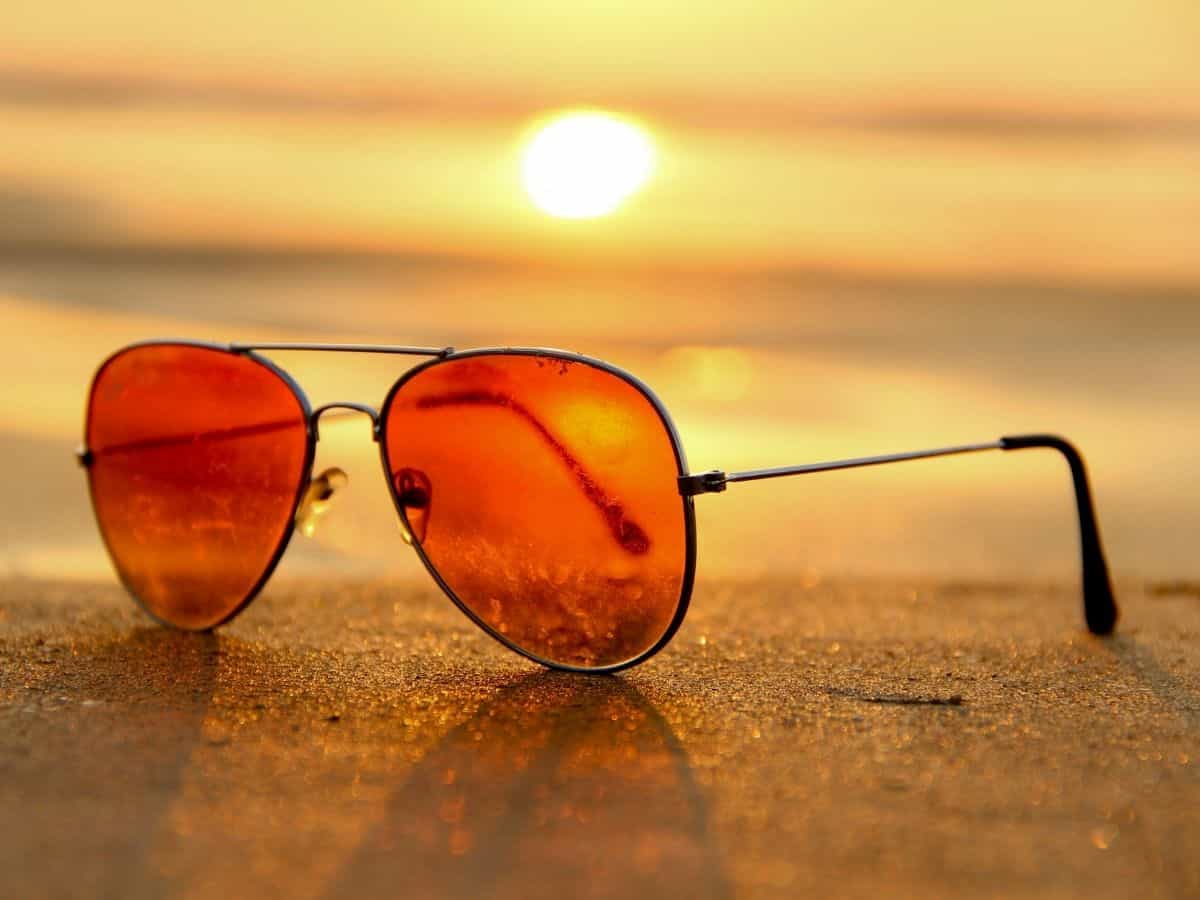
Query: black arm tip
column 1099, row 603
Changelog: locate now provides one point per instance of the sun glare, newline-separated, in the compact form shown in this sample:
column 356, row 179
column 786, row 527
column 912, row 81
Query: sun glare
column 584, row 164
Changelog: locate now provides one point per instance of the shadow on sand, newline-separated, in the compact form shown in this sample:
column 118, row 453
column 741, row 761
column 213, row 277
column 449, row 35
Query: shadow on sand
column 558, row 786
column 1170, row 690
column 106, row 768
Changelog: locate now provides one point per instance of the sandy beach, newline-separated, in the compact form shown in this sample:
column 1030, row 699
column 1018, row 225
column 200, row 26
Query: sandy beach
column 858, row 739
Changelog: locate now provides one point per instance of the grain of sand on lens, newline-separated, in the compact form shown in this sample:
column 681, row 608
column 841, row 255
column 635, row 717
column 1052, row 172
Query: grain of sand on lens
column 850, row 739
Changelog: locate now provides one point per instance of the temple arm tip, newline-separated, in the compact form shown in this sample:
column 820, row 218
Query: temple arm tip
column 1099, row 604
column 1101, row 613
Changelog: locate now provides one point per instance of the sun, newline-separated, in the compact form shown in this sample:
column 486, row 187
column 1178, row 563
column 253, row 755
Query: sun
column 581, row 165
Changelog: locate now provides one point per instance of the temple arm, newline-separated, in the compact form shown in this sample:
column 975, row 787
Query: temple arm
column 1099, row 606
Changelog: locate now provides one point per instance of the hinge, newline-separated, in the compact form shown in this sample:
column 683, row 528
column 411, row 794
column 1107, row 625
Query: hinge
column 83, row 456
column 705, row 483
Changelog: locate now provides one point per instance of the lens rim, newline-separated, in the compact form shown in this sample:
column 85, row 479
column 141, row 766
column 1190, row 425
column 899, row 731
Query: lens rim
column 689, row 509
column 310, row 443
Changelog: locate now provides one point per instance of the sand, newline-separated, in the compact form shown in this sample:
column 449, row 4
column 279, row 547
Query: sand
column 854, row 739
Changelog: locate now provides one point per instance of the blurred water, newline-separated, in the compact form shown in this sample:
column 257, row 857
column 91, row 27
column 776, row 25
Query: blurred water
column 757, row 370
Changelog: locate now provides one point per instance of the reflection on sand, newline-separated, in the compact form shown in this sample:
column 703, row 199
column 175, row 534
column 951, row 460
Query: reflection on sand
column 217, row 766
column 534, row 795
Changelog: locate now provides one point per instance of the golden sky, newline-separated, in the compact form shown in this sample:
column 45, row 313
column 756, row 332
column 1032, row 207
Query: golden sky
column 1078, row 55
column 1002, row 139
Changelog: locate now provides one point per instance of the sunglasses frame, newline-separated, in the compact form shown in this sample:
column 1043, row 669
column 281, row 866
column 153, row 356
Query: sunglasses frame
column 378, row 430
column 689, row 507
column 1100, row 609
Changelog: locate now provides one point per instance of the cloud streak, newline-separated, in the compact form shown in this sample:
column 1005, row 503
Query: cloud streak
column 40, row 88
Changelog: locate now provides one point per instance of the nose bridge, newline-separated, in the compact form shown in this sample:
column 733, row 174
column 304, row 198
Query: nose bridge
column 343, row 407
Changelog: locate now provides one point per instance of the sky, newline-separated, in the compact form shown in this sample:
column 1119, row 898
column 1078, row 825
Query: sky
column 1054, row 139
column 1107, row 56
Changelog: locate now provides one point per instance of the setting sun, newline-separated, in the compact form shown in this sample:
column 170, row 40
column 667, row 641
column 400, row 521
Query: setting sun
column 585, row 164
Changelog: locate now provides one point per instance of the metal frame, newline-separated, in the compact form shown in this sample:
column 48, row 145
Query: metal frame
column 689, row 513
column 394, row 350
column 1099, row 604
column 85, row 457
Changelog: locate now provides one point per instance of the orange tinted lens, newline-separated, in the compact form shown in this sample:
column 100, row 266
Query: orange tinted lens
column 544, row 493
column 198, row 456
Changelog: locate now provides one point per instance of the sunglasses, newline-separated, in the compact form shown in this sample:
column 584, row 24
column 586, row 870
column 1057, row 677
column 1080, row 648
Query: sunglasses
column 546, row 493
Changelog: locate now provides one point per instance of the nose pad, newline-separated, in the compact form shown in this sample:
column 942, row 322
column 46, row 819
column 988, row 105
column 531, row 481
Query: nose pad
column 317, row 498
column 415, row 496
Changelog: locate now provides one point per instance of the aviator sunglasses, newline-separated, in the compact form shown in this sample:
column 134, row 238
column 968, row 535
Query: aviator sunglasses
column 547, row 493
